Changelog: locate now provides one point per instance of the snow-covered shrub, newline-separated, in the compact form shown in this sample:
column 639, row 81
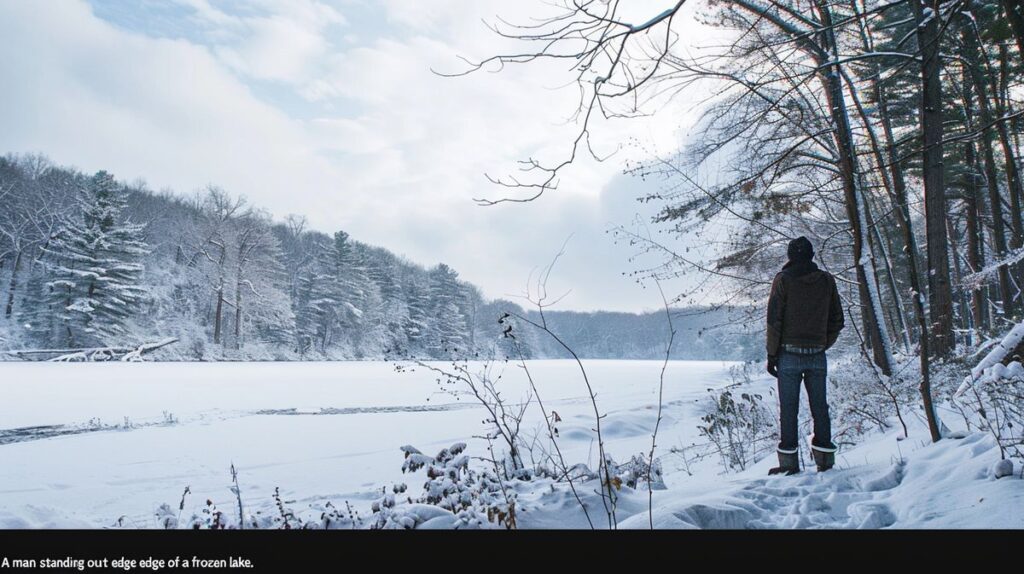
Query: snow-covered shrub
column 209, row 518
column 166, row 518
column 862, row 400
column 741, row 429
column 995, row 403
column 454, row 495
column 482, row 384
column 633, row 473
column 334, row 518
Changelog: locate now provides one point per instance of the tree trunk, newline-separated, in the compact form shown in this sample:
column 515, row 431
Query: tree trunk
column 855, row 204
column 238, row 315
column 68, row 333
column 897, row 306
column 980, row 84
column 1015, row 16
column 218, row 314
column 957, row 272
column 904, row 223
column 895, row 185
column 974, row 256
column 13, row 285
column 940, row 294
column 902, row 208
column 1016, row 188
column 897, row 299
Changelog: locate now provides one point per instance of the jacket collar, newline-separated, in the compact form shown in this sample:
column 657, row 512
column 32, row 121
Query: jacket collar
column 799, row 268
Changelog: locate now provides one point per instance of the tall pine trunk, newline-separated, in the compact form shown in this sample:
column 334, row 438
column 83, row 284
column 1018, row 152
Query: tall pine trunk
column 940, row 293
column 973, row 56
column 974, row 255
column 1016, row 190
column 854, row 201
column 902, row 217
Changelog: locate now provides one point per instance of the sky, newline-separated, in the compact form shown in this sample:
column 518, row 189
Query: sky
column 331, row 109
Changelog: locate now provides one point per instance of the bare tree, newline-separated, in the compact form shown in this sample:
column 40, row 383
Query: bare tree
column 612, row 59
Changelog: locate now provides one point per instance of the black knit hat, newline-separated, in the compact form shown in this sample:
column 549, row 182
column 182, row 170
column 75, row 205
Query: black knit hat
column 800, row 249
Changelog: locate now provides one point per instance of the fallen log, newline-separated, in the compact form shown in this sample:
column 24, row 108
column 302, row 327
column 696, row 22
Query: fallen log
column 95, row 354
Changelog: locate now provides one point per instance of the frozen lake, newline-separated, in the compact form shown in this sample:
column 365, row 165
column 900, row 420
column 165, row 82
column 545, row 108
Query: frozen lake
column 316, row 430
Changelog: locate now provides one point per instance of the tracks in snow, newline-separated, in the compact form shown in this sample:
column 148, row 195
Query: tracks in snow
column 836, row 499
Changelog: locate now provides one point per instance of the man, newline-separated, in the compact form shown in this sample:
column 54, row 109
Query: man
column 805, row 316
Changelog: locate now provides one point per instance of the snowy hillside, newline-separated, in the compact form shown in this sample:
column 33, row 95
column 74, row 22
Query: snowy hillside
column 88, row 261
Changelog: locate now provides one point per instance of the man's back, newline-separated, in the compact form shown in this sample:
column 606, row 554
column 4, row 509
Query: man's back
column 804, row 309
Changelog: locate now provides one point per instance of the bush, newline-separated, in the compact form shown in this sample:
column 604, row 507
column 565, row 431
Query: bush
column 454, row 495
column 995, row 404
column 738, row 424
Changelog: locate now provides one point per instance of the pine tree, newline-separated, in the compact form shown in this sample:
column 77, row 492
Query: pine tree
column 94, row 266
column 394, row 311
column 359, row 295
column 448, row 335
column 418, row 318
column 317, row 300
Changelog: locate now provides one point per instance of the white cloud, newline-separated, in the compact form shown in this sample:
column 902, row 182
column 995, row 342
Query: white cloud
column 167, row 110
column 280, row 40
column 398, row 166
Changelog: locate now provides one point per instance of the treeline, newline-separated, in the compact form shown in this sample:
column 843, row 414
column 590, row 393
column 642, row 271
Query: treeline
column 87, row 261
column 701, row 333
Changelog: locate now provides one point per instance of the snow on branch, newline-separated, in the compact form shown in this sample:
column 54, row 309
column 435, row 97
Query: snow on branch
column 994, row 357
column 978, row 279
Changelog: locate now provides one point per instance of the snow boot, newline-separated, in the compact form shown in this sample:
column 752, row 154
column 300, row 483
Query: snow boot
column 789, row 463
column 824, row 458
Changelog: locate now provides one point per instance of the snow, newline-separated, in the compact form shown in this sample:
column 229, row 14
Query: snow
column 136, row 435
column 346, row 454
column 977, row 280
column 994, row 358
column 949, row 484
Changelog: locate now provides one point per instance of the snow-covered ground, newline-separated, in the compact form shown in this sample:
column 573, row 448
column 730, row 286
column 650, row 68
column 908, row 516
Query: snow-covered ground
column 96, row 445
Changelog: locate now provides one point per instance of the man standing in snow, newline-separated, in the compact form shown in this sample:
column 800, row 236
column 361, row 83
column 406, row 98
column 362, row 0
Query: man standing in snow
column 805, row 316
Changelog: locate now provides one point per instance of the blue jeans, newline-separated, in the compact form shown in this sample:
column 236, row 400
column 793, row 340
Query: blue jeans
column 811, row 370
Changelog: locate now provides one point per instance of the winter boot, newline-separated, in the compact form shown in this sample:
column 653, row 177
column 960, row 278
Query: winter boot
column 825, row 458
column 789, row 463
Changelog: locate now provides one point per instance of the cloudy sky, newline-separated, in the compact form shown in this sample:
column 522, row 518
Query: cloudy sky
column 329, row 109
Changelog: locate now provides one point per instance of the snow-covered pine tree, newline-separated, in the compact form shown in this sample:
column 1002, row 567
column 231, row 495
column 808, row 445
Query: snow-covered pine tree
column 418, row 321
column 448, row 335
column 360, row 297
column 318, row 299
column 384, row 271
column 94, row 267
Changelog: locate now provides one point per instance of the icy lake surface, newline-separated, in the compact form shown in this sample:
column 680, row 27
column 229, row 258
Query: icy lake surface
column 99, row 442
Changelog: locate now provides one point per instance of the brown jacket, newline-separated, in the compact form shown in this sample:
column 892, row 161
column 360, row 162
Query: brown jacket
column 803, row 308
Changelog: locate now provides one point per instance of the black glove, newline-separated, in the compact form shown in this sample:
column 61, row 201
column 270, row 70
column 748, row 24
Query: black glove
column 773, row 366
